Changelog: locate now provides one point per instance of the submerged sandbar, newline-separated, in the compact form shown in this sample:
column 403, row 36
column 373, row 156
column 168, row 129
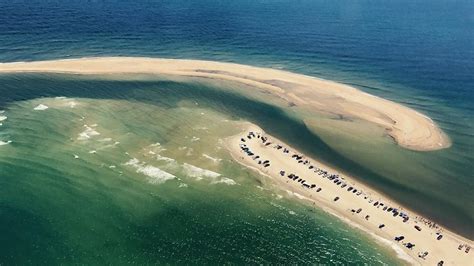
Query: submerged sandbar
column 408, row 128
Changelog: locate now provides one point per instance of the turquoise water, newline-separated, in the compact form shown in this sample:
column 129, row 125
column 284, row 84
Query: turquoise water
column 70, row 198
column 56, row 208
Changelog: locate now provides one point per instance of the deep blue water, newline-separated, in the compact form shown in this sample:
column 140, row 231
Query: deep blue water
column 423, row 45
column 420, row 53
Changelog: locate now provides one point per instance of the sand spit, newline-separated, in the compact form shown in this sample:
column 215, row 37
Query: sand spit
column 408, row 128
column 415, row 239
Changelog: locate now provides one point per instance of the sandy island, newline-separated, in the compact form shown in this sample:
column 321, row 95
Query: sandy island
column 415, row 239
column 407, row 127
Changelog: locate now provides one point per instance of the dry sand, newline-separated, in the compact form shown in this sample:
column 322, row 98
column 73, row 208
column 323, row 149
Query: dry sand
column 425, row 240
column 408, row 128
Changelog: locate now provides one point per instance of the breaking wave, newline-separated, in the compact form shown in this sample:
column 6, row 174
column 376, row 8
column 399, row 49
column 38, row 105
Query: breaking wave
column 5, row 142
column 199, row 174
column 225, row 180
column 88, row 133
column 216, row 160
column 154, row 174
column 40, row 107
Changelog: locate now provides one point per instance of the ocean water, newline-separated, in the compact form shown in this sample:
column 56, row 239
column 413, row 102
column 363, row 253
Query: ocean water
column 143, row 177
column 85, row 181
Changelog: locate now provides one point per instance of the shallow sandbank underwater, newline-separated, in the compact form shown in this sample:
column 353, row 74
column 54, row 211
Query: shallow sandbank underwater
column 124, row 181
column 330, row 145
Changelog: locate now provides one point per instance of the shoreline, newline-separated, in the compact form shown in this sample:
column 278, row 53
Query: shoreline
column 445, row 249
column 399, row 252
column 409, row 128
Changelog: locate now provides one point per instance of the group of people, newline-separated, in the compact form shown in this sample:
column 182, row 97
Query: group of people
column 461, row 246
column 427, row 222
column 339, row 181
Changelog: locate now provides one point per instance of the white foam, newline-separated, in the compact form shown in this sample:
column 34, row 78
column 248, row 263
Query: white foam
column 155, row 175
column 292, row 212
column 72, row 104
column 164, row 158
column 299, row 196
column 93, row 152
column 109, row 146
column 183, row 185
column 225, row 180
column 155, row 148
column 76, row 156
column 5, row 142
column 216, row 160
column 195, row 139
column 105, row 139
column 3, row 118
column 133, row 162
column 427, row 118
column 398, row 250
column 199, row 173
column 88, row 133
column 40, row 107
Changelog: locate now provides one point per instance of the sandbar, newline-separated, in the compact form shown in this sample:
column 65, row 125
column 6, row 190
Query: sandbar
column 408, row 128
column 351, row 201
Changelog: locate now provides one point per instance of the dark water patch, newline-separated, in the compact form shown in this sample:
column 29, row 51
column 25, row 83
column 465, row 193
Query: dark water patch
column 32, row 236
column 176, row 236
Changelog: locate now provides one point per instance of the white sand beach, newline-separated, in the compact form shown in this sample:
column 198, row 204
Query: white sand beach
column 350, row 200
column 407, row 127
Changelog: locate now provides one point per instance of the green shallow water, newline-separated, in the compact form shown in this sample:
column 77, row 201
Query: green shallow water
column 80, row 182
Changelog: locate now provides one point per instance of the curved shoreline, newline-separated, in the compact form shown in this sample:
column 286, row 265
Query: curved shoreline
column 370, row 216
column 408, row 128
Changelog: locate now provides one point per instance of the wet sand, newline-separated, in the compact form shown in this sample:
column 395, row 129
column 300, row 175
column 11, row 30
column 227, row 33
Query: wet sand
column 363, row 209
column 407, row 127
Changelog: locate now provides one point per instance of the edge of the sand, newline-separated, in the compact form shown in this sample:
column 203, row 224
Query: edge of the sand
column 408, row 128
column 449, row 242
